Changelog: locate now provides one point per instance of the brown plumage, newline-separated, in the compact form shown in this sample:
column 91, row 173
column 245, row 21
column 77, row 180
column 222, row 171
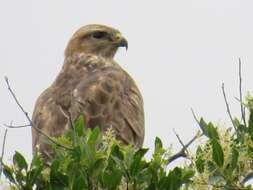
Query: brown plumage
column 92, row 84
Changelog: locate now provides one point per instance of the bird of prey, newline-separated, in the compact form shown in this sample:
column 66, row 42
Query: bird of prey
column 91, row 84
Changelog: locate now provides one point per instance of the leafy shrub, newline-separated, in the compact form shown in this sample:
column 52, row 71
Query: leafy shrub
column 92, row 161
column 96, row 162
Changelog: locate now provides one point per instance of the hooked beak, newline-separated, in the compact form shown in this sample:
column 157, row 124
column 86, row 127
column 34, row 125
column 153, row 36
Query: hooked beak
column 121, row 41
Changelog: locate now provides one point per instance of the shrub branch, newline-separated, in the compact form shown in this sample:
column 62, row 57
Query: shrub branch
column 16, row 126
column 183, row 152
column 2, row 153
column 227, row 106
column 240, row 92
column 28, row 118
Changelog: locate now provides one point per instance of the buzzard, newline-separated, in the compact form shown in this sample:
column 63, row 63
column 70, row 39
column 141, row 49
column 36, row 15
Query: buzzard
column 92, row 84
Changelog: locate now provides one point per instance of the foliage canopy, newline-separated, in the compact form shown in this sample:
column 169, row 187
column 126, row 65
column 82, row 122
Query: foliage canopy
column 224, row 161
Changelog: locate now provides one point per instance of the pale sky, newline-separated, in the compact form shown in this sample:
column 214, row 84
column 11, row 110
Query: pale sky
column 180, row 52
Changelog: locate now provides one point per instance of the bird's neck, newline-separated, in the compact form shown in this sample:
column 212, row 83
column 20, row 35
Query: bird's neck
column 77, row 65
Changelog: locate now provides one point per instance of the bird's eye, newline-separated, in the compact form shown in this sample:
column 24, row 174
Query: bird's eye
column 99, row 35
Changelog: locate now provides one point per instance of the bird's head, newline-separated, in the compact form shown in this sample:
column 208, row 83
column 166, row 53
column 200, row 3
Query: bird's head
column 96, row 39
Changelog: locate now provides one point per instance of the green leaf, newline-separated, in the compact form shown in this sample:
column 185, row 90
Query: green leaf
column 242, row 128
column 136, row 163
column 144, row 175
column 73, row 170
column 54, row 167
column 76, row 153
column 236, row 122
column 202, row 125
column 173, row 181
column 187, row 175
column 199, row 151
column 19, row 161
column 33, row 174
column 80, row 183
column 8, row 172
column 200, row 162
column 235, row 155
column 57, row 179
column 112, row 179
column 94, row 135
column 97, row 167
column 141, row 152
column 158, row 144
column 116, row 152
column 211, row 166
column 80, row 125
column 151, row 187
column 217, row 153
column 212, row 131
column 208, row 129
column 36, row 161
column 89, row 153
column 251, row 124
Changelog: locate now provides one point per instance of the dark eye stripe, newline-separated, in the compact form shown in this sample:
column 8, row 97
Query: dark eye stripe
column 99, row 35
